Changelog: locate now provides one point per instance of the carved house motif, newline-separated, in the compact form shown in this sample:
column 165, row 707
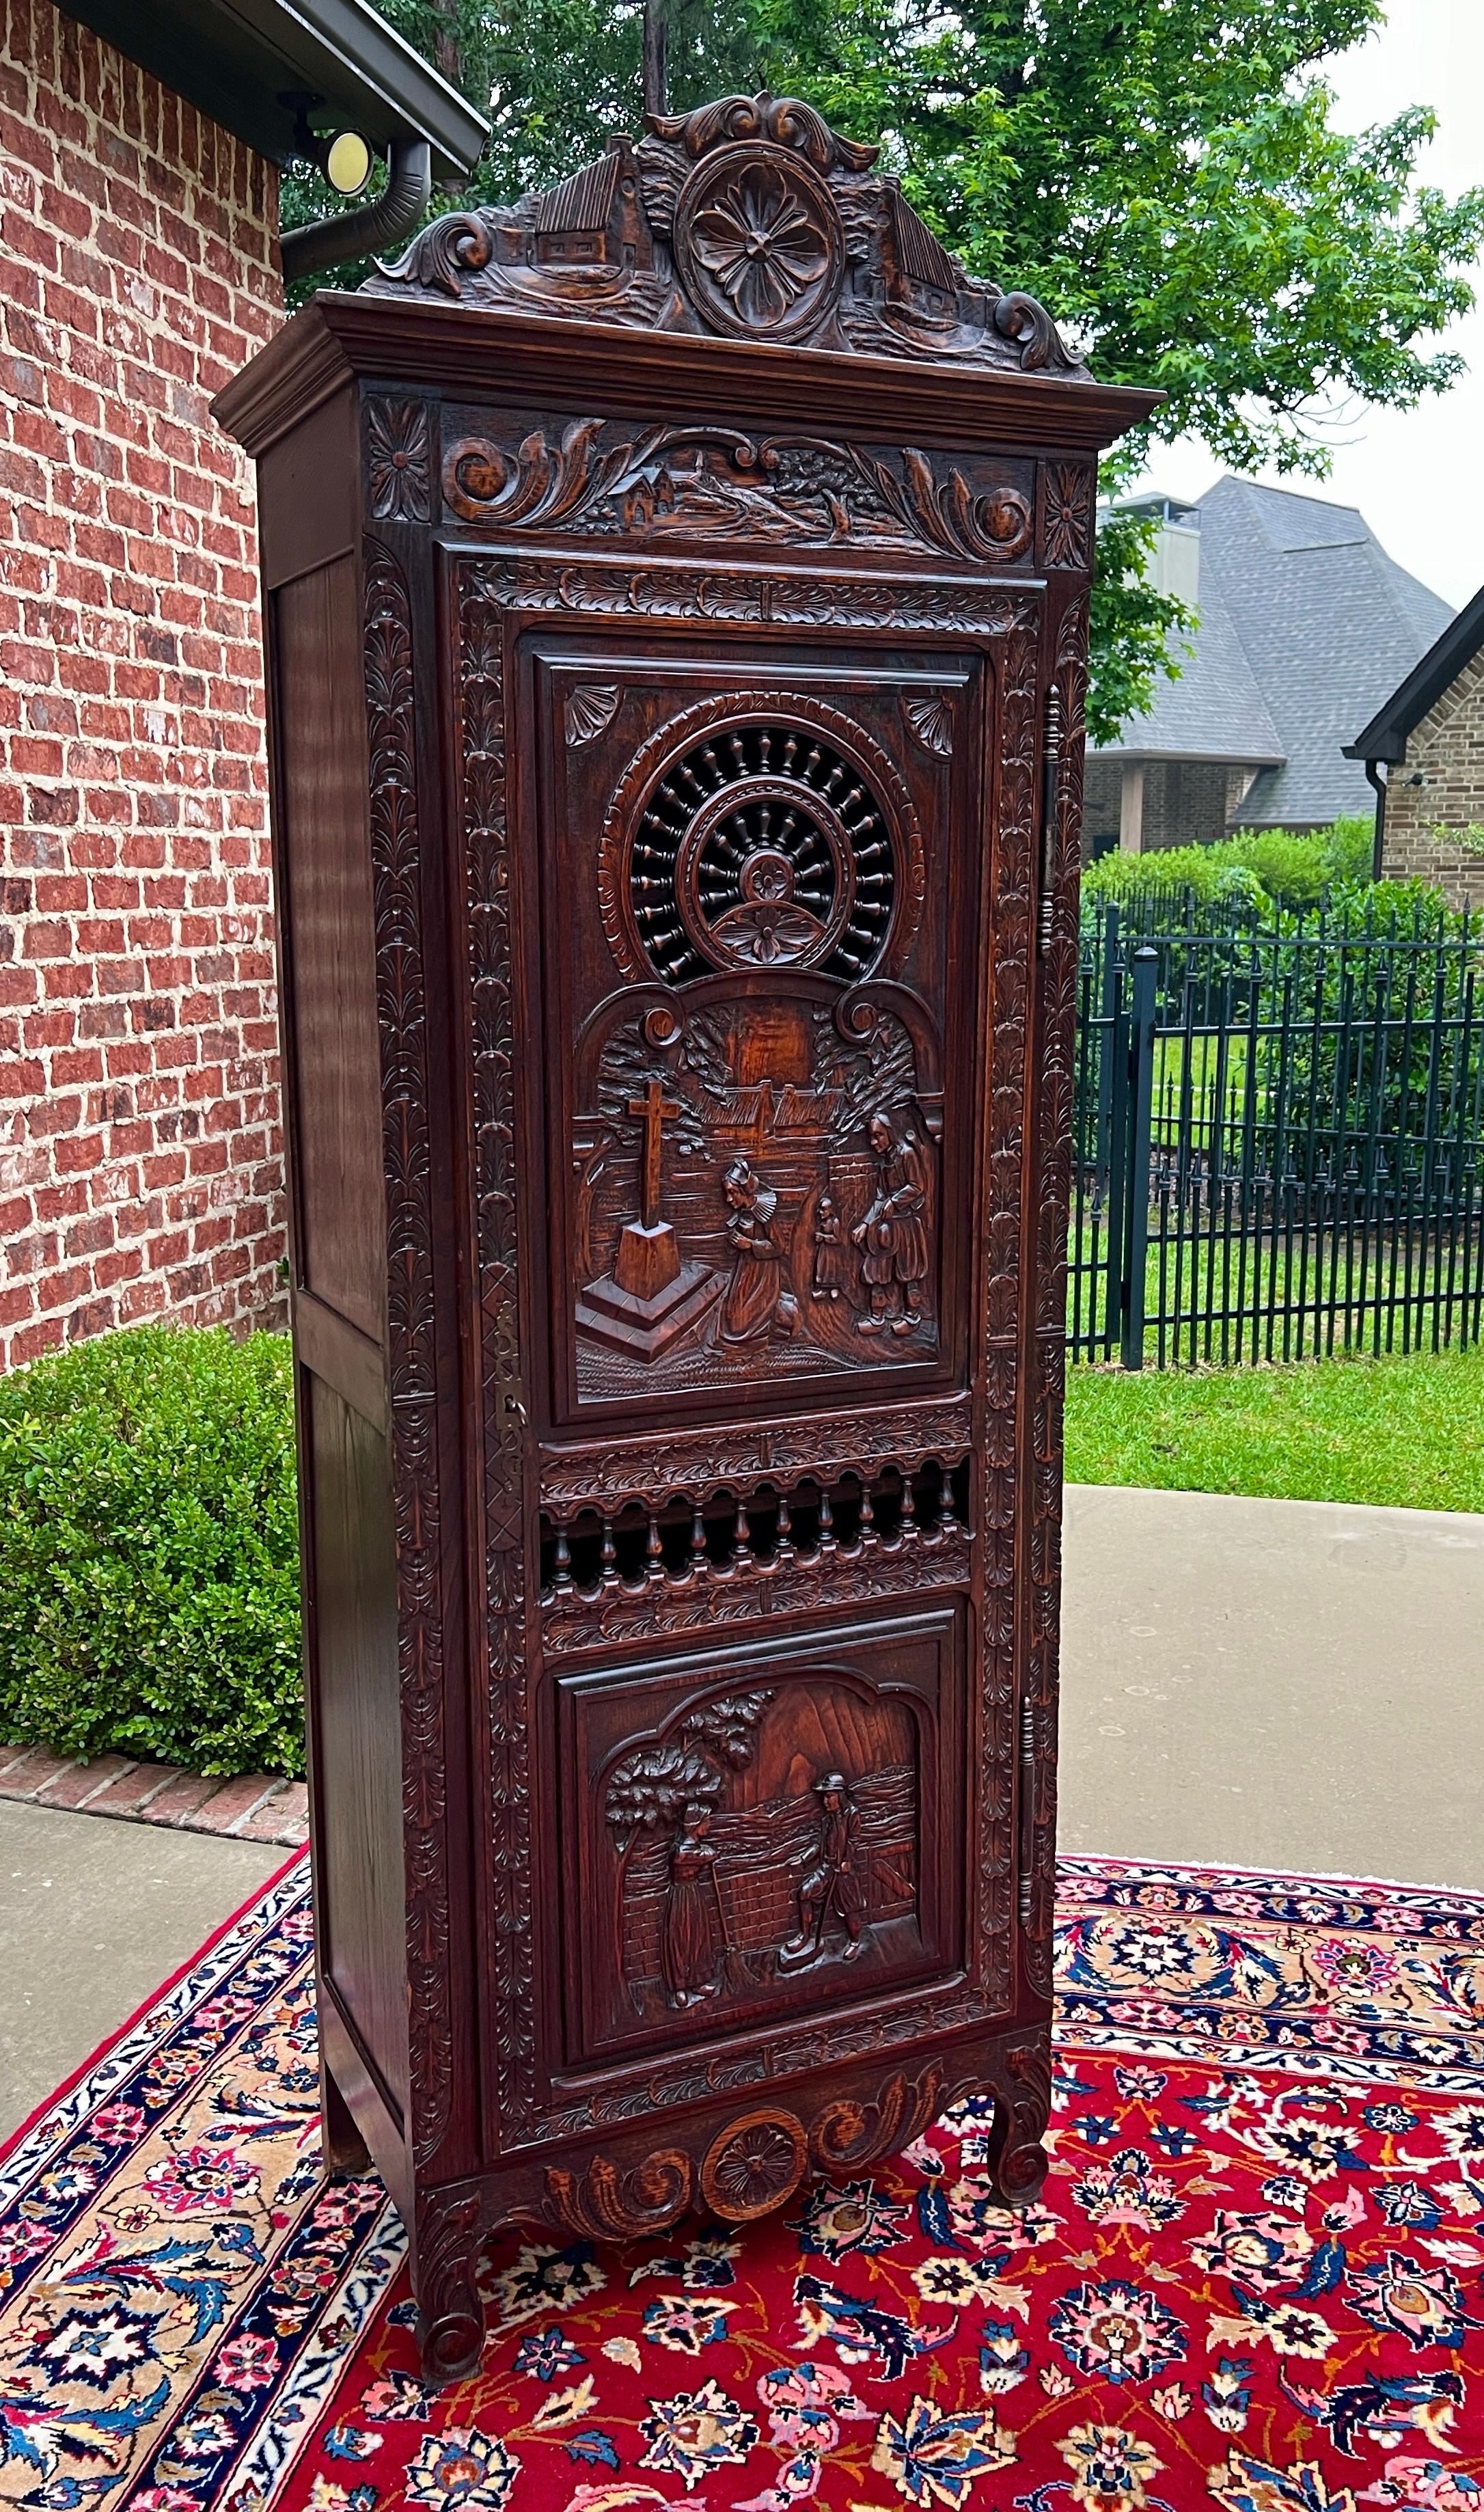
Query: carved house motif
column 677, row 593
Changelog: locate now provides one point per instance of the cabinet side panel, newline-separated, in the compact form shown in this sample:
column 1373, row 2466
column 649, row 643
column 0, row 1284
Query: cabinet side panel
column 332, row 1009
column 358, row 1728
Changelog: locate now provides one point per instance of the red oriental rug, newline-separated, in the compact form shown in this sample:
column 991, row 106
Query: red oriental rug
column 1256, row 2279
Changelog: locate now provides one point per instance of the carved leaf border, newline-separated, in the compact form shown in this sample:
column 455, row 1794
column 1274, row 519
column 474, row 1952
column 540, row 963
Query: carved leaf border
column 401, row 1018
column 487, row 875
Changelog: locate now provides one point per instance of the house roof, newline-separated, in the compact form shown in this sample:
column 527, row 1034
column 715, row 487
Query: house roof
column 237, row 60
column 1305, row 621
column 1385, row 736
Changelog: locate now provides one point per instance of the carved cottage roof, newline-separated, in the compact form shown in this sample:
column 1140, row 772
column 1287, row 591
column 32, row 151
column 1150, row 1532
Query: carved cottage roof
column 747, row 220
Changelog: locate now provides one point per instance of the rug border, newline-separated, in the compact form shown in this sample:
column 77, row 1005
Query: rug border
column 1271, row 1875
column 59, row 2092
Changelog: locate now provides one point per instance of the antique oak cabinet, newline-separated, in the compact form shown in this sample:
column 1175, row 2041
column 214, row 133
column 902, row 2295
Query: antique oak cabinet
column 677, row 604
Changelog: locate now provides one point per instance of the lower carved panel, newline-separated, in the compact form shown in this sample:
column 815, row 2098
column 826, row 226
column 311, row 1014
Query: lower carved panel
column 759, row 1838
column 734, row 2164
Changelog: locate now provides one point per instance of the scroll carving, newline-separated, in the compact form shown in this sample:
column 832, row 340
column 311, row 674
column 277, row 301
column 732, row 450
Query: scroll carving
column 1016, row 2157
column 749, row 219
column 402, row 1019
column 718, row 482
column 606, row 2205
column 850, row 2132
column 452, row 2223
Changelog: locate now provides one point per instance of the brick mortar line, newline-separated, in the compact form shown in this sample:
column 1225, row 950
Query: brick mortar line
column 46, row 1772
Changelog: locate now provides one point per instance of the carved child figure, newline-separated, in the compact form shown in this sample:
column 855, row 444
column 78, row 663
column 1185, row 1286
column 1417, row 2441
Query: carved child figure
column 831, row 1266
column 894, row 1236
column 834, row 1887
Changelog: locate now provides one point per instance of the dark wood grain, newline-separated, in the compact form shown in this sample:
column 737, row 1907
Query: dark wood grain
column 677, row 781
column 331, row 1005
column 357, row 1717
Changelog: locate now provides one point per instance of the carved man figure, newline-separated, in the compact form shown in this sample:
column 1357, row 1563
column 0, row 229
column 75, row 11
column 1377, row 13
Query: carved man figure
column 835, row 1886
column 894, row 1236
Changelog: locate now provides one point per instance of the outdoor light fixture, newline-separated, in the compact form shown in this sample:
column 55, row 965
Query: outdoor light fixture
column 346, row 158
column 346, row 161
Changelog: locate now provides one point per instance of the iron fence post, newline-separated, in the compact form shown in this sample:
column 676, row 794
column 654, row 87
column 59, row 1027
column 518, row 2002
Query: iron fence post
column 1141, row 1107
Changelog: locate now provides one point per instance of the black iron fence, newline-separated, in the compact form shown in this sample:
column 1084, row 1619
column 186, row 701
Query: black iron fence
column 1280, row 1145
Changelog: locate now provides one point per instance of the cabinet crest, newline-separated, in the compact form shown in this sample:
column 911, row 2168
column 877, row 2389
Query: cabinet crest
column 747, row 220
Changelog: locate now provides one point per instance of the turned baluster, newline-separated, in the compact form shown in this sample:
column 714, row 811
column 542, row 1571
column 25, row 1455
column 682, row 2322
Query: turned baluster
column 867, row 1529
column 827, row 1542
column 742, row 1539
column 654, row 1556
column 783, row 1549
column 908, row 1518
column 563, row 1584
column 609, row 1557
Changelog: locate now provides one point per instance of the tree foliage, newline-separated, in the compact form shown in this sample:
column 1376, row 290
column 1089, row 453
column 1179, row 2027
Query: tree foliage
column 1163, row 173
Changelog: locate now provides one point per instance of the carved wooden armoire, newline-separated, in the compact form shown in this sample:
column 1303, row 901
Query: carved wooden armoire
column 677, row 606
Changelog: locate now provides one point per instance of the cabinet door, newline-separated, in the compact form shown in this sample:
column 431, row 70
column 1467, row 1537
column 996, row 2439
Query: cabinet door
column 749, row 934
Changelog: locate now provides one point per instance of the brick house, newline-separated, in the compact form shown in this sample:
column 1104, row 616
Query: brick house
column 1430, row 737
column 1304, row 620
column 141, row 1171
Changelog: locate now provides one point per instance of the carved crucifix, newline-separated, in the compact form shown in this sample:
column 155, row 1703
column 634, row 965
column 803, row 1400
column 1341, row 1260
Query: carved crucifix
column 654, row 1108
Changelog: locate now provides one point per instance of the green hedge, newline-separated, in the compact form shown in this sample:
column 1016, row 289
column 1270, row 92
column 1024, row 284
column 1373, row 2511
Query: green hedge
column 1263, row 868
column 149, row 1552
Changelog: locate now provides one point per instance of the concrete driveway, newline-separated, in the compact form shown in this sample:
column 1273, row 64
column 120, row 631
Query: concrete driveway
column 1273, row 1683
column 94, row 1915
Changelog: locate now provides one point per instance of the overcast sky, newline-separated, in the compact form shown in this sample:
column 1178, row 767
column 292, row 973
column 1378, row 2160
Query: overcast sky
column 1418, row 477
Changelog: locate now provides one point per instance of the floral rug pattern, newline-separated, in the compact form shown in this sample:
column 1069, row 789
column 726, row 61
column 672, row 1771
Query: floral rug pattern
column 1255, row 2279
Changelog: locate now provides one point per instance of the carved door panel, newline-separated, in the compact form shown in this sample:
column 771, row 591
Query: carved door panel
column 761, row 1835
column 751, row 870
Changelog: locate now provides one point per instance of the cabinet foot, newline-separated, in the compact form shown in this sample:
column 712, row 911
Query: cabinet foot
column 1021, row 2087
column 450, row 2317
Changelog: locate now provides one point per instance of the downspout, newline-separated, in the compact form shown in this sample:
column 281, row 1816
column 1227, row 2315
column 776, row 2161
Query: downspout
column 1378, row 783
column 399, row 207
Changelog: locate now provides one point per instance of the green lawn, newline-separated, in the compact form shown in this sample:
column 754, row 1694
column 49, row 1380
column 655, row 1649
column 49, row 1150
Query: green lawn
column 1405, row 1432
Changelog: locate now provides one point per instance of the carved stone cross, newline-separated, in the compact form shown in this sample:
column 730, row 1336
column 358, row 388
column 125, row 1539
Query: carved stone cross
column 654, row 1108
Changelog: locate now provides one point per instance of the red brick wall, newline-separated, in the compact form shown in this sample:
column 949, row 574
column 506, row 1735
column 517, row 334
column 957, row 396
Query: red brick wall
column 1447, row 750
column 139, row 1163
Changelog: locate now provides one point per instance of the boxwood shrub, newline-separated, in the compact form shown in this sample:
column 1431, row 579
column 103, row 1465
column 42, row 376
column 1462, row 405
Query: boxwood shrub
column 148, row 1552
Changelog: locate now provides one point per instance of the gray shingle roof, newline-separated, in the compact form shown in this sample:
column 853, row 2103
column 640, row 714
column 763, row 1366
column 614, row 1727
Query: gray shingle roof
column 1306, row 627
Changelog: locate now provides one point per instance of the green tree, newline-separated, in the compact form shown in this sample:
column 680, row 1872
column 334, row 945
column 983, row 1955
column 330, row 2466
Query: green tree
column 1163, row 173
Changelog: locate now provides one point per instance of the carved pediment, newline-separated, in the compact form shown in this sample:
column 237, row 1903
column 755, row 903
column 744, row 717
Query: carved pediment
column 749, row 218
